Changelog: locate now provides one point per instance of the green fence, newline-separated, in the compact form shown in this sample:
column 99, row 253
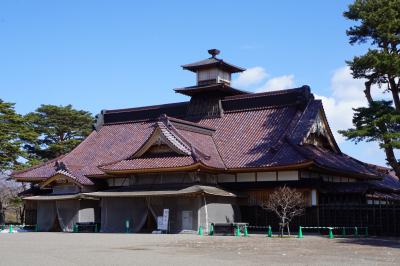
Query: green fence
column 343, row 231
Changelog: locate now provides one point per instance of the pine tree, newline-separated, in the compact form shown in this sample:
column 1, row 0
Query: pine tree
column 59, row 129
column 13, row 130
column 379, row 24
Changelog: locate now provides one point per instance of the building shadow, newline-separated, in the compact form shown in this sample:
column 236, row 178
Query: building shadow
column 372, row 241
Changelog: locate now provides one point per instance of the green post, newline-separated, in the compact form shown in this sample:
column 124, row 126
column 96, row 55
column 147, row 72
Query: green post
column 366, row 231
column 344, row 231
column 330, row 233
column 200, row 233
column 36, row 228
column 211, row 230
column 300, row 232
column 127, row 226
column 96, row 229
column 2, row 227
column 75, row 228
column 269, row 231
column 11, row 229
column 356, row 231
column 245, row 233
column 237, row 231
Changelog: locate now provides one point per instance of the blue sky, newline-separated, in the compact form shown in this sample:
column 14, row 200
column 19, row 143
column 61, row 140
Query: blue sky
column 114, row 54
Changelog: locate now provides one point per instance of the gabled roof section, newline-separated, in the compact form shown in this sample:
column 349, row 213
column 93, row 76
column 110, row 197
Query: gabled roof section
column 61, row 174
column 163, row 135
column 52, row 169
column 77, row 179
column 166, row 133
column 313, row 128
column 38, row 172
column 191, row 146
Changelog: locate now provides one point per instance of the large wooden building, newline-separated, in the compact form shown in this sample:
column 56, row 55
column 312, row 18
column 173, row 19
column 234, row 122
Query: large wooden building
column 213, row 159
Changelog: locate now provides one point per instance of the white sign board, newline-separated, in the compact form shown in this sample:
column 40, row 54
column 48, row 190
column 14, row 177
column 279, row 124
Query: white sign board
column 160, row 225
column 164, row 223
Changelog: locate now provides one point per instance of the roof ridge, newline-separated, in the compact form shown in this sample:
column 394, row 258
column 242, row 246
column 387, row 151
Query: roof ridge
column 259, row 108
column 143, row 108
column 267, row 93
column 219, row 153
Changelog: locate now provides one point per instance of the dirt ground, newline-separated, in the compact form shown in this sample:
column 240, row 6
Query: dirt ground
column 147, row 249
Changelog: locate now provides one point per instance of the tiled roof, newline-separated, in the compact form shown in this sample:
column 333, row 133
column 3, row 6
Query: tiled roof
column 389, row 182
column 203, row 148
column 244, row 138
column 257, row 130
column 337, row 162
column 388, row 187
column 38, row 172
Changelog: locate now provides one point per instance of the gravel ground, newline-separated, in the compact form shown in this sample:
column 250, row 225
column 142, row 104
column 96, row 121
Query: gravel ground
column 146, row 249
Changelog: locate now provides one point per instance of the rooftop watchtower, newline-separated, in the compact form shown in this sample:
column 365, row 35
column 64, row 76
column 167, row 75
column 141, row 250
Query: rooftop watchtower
column 213, row 84
column 213, row 70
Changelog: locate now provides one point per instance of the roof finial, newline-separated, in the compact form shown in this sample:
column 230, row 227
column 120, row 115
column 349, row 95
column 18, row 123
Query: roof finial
column 214, row 52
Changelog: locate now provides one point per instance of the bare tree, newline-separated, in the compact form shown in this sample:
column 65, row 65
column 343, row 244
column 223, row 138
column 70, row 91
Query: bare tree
column 286, row 203
column 9, row 199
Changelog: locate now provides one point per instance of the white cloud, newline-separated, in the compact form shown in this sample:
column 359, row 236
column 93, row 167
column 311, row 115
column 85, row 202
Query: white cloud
column 344, row 86
column 278, row 83
column 251, row 76
column 347, row 93
column 340, row 113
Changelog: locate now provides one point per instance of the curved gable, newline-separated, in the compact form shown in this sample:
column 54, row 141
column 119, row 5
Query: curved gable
column 313, row 128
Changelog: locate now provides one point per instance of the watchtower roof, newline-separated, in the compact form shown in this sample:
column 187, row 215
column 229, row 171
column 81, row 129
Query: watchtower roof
column 213, row 61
